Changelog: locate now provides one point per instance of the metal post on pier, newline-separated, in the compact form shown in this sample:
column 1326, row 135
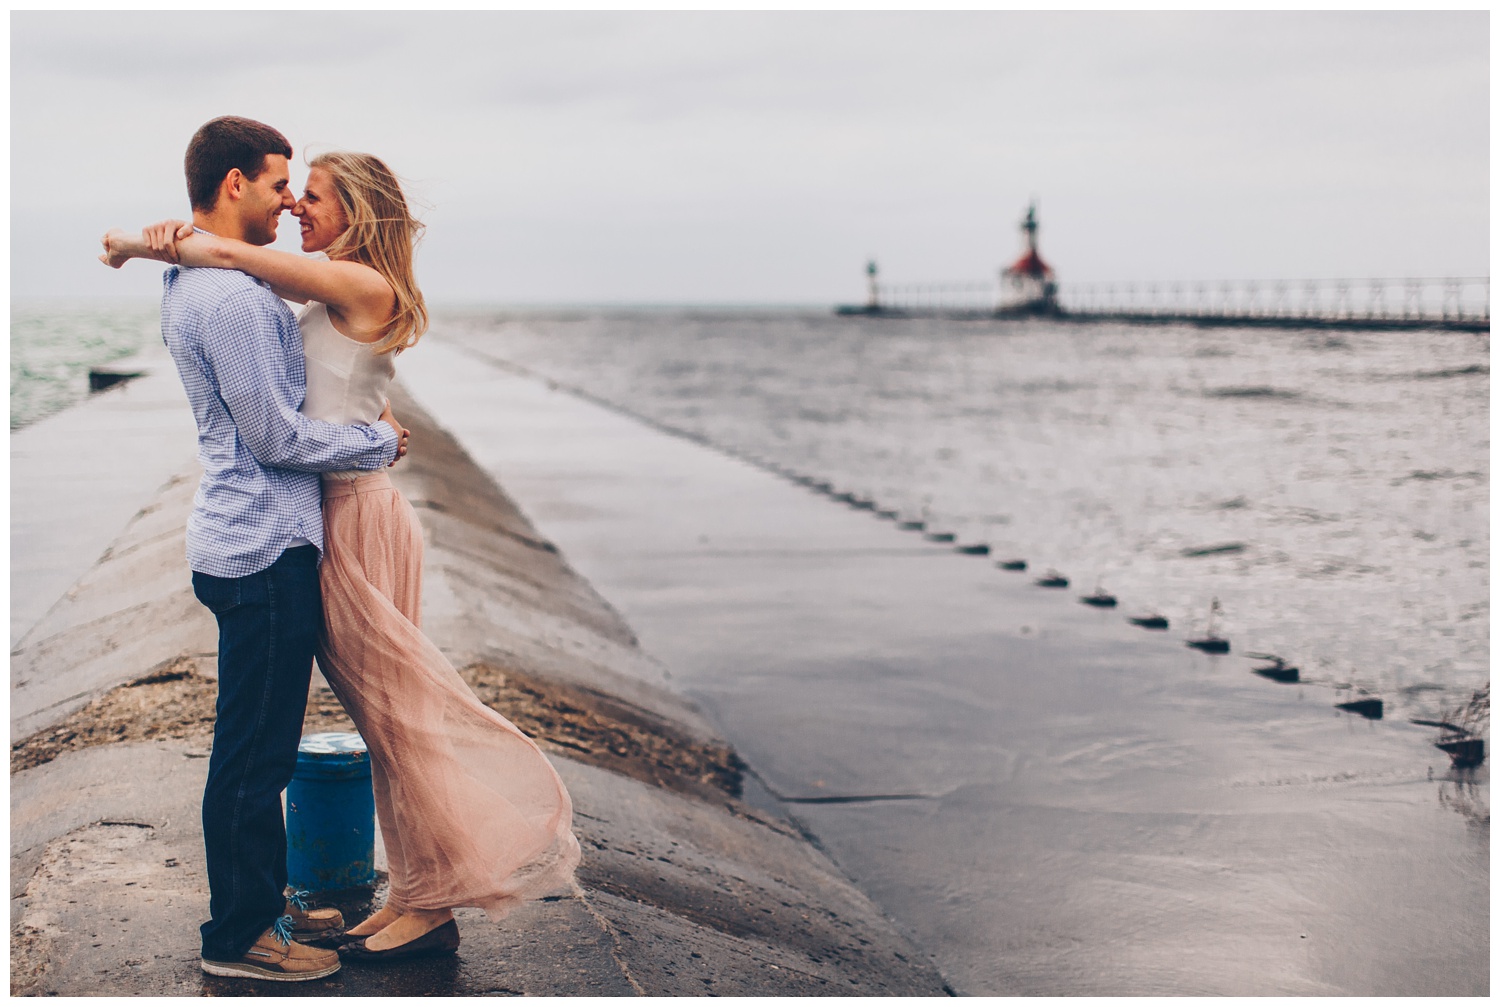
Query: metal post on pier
column 330, row 815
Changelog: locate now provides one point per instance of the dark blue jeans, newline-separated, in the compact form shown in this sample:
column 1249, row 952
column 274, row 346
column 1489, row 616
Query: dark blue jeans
column 268, row 628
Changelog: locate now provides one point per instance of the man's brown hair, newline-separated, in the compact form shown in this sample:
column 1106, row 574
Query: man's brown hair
column 223, row 144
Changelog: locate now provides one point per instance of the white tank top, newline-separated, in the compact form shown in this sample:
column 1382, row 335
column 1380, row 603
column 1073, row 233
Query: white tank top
column 346, row 379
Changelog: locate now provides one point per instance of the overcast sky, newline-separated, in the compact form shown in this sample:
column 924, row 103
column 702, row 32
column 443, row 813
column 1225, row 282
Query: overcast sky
column 761, row 158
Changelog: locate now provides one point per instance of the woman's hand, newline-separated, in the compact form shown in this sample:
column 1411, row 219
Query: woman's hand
column 162, row 237
column 117, row 248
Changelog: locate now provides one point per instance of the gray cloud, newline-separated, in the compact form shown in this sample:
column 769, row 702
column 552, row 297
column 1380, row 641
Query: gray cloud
column 587, row 156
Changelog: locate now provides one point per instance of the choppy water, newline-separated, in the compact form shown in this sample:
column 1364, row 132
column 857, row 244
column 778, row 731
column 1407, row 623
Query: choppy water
column 52, row 347
column 1346, row 476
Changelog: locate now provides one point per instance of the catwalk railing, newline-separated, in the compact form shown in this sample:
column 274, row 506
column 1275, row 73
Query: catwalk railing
column 1461, row 299
column 1451, row 302
column 915, row 297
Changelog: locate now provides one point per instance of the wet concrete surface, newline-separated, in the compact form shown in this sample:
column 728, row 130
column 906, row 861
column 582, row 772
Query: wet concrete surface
column 1080, row 806
column 109, row 889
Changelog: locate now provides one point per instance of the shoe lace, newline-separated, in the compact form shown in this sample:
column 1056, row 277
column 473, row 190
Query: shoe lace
column 282, row 930
column 298, row 899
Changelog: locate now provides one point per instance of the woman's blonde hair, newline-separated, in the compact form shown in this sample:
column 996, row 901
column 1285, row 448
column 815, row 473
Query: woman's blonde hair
column 382, row 234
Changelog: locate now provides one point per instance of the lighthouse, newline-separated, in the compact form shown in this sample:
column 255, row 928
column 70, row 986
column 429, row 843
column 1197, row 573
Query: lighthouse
column 1029, row 282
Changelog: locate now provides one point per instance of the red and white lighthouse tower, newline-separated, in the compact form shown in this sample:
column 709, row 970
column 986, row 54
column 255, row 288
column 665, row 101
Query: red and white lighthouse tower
column 1029, row 282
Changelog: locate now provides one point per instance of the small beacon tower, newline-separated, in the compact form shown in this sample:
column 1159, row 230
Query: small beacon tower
column 1032, row 282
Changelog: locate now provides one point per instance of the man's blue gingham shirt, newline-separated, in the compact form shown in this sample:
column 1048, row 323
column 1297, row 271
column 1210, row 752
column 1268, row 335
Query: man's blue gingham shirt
column 239, row 352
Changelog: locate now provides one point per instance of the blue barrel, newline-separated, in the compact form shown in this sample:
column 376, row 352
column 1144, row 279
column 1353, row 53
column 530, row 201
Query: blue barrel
column 330, row 815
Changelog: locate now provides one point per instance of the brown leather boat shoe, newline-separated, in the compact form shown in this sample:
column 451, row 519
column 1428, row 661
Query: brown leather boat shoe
column 276, row 958
column 441, row 940
column 314, row 926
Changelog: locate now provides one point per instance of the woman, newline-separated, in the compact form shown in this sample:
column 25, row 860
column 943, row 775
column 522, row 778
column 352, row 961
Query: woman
column 471, row 811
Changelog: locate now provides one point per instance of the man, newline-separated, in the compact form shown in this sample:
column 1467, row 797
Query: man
column 254, row 540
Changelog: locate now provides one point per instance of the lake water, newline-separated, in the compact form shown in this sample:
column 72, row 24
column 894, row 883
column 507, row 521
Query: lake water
column 53, row 345
column 1330, row 489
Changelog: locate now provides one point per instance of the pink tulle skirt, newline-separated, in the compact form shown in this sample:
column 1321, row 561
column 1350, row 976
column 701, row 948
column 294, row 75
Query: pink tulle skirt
column 471, row 811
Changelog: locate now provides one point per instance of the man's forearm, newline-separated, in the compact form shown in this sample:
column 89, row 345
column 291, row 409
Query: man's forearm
column 307, row 445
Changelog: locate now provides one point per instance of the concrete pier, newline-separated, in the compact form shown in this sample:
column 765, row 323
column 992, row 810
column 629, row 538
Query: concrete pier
column 77, row 478
column 684, row 889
